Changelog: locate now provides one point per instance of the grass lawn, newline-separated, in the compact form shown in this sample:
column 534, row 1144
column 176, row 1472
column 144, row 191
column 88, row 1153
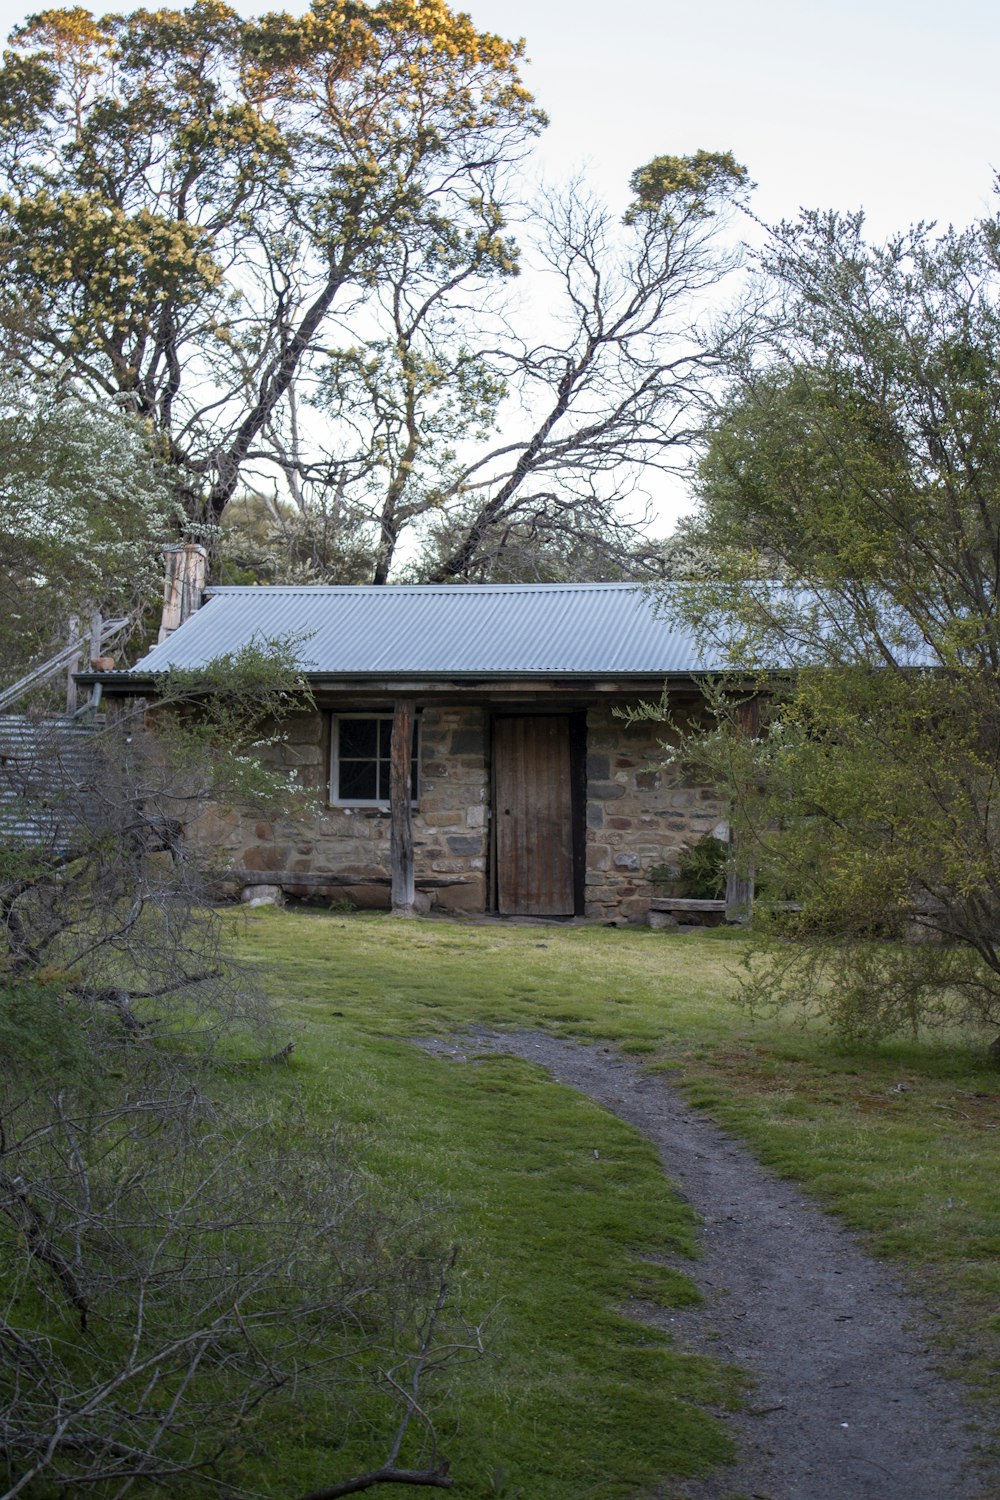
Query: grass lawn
column 561, row 1210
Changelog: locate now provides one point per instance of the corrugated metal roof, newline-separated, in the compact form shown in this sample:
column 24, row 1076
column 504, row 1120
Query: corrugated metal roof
column 46, row 767
column 419, row 630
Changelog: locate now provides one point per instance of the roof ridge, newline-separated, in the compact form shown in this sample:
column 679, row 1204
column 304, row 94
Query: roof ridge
column 417, row 588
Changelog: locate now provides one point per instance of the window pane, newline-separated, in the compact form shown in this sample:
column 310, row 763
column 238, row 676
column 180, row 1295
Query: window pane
column 357, row 781
column 385, row 738
column 358, row 738
column 385, row 784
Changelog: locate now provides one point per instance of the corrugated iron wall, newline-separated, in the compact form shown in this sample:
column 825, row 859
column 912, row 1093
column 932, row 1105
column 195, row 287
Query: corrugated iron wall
column 46, row 769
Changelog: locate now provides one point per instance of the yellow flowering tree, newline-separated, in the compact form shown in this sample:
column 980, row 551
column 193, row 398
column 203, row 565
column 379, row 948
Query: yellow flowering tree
column 192, row 203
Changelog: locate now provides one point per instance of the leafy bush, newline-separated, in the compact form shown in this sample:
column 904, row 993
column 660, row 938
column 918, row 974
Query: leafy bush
column 702, row 869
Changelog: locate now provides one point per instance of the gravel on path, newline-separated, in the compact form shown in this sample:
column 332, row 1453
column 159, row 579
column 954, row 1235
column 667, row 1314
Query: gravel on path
column 847, row 1402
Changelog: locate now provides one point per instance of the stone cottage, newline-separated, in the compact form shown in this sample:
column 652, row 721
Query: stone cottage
column 468, row 748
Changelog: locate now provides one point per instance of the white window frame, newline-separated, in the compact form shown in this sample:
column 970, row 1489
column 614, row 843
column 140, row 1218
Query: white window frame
column 334, row 782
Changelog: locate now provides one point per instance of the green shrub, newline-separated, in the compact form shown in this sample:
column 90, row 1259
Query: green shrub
column 703, row 869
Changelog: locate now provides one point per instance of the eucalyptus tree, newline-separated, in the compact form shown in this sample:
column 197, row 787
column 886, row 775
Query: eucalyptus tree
column 193, row 206
column 525, row 439
column 850, row 509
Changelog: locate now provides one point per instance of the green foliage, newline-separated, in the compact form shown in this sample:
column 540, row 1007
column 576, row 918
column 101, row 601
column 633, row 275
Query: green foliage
column 702, row 869
column 675, row 186
column 184, row 1266
column 847, row 506
column 221, row 223
column 212, row 719
column 266, row 541
column 40, row 1036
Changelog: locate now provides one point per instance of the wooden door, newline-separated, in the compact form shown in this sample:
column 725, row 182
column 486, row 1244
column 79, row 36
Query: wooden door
column 534, row 816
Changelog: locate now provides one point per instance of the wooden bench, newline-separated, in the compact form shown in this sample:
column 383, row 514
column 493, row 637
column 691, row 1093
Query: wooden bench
column 707, row 913
column 684, row 903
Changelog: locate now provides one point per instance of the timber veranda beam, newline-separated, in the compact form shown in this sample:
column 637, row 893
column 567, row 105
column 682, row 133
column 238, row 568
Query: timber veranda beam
column 401, row 807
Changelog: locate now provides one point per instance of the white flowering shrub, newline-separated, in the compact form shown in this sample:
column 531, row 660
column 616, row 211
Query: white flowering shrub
column 84, row 509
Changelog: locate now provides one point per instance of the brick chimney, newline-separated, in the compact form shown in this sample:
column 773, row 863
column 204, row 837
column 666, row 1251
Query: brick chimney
column 183, row 584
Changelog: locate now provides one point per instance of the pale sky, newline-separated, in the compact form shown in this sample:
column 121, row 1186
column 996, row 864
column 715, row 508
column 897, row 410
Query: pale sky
column 890, row 105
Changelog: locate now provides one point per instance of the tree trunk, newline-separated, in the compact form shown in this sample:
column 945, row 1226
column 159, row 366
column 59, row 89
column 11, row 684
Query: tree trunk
column 740, row 881
column 401, row 840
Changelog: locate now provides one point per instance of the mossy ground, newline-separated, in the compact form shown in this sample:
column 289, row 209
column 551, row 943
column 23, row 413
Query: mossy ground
column 577, row 1401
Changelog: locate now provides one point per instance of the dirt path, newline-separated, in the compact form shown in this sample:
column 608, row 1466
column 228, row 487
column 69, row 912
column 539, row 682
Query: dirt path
column 848, row 1404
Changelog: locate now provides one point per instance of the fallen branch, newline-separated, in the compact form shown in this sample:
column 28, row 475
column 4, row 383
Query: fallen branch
column 437, row 1475
column 436, row 1478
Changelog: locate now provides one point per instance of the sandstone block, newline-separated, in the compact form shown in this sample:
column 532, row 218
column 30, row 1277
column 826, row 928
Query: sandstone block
column 301, row 755
column 468, row 742
column 469, row 896
column 262, row 895
column 257, row 858
column 304, row 729
column 462, row 843
column 635, row 908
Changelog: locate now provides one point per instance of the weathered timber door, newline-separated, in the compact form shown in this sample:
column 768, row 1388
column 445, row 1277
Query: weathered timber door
column 534, row 816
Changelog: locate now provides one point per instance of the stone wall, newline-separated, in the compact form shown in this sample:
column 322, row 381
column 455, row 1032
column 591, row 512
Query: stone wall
column 638, row 817
column 451, row 826
column 350, row 845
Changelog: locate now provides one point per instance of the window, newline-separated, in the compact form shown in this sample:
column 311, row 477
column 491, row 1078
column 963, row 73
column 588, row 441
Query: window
column 359, row 759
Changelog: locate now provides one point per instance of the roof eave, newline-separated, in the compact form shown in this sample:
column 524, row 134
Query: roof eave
column 132, row 683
